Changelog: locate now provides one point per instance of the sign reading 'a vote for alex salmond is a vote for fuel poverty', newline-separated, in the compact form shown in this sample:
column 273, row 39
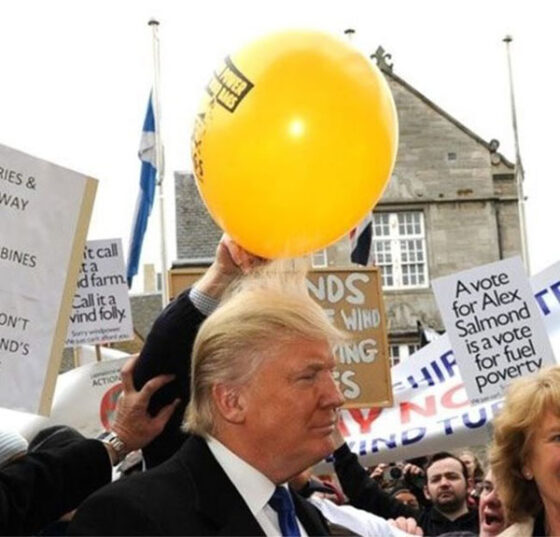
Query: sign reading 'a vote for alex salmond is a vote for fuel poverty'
column 352, row 299
column 494, row 326
column 44, row 216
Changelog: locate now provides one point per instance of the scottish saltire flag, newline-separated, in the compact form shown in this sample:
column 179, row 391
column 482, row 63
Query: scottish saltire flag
column 360, row 240
column 147, row 155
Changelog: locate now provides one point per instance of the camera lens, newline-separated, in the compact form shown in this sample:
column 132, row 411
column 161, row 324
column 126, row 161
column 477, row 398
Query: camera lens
column 395, row 472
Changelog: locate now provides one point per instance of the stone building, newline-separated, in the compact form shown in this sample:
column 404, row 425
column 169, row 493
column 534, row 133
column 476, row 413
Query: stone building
column 451, row 204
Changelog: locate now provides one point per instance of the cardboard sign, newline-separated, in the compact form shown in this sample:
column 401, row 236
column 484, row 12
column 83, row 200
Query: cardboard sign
column 101, row 304
column 44, row 216
column 494, row 326
column 352, row 298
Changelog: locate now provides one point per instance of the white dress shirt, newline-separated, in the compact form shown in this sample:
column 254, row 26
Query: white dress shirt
column 255, row 488
column 360, row 522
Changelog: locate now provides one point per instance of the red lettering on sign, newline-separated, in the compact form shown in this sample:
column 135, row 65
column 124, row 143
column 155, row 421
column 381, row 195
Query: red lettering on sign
column 365, row 421
column 447, row 398
column 408, row 407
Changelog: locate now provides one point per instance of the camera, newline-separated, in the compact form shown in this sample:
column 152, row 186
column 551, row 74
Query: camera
column 392, row 473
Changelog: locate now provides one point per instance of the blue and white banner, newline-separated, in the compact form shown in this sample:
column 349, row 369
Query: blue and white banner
column 432, row 411
column 145, row 202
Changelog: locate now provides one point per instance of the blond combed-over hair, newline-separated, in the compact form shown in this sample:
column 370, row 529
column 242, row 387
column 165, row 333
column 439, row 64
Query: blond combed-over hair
column 262, row 312
column 527, row 401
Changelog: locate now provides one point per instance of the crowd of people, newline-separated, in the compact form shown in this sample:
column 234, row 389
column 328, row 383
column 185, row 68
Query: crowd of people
column 232, row 401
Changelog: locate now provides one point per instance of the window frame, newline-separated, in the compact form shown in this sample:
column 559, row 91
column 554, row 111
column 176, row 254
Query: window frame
column 388, row 251
column 320, row 259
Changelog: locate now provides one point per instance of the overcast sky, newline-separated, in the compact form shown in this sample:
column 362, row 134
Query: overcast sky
column 75, row 77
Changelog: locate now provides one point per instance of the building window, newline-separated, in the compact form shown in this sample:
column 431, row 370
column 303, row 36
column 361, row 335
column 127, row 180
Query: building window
column 399, row 249
column 394, row 356
column 319, row 259
column 451, row 156
column 400, row 352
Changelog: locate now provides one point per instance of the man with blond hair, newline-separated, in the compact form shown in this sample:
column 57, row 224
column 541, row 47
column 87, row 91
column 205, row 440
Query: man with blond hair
column 263, row 408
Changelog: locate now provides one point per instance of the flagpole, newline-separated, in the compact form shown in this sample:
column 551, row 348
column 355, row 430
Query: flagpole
column 519, row 171
column 154, row 24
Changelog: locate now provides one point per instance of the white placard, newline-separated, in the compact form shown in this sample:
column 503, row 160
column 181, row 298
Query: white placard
column 546, row 286
column 101, row 305
column 44, row 214
column 494, row 326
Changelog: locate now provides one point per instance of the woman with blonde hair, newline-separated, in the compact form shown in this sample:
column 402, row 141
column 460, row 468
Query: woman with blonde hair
column 525, row 455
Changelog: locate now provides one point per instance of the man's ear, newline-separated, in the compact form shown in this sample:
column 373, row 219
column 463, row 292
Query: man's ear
column 470, row 483
column 229, row 402
column 427, row 493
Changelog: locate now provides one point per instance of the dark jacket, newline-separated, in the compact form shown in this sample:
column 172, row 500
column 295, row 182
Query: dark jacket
column 168, row 350
column 365, row 493
column 190, row 494
column 41, row 486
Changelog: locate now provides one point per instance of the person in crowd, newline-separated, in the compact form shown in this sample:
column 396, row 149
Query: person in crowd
column 54, row 438
column 12, row 446
column 263, row 408
column 476, row 474
column 446, row 487
column 401, row 492
column 168, row 347
column 490, row 508
column 490, row 512
column 473, row 464
column 42, row 485
column 525, row 454
column 403, row 480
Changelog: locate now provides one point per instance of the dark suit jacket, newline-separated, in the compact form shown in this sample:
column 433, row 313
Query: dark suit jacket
column 189, row 494
column 168, row 350
column 43, row 485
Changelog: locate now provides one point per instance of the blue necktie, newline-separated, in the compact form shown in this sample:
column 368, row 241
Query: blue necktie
column 282, row 503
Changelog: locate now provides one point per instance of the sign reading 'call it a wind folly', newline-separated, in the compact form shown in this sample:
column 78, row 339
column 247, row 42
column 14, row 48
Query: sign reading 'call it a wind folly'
column 101, row 304
column 44, row 215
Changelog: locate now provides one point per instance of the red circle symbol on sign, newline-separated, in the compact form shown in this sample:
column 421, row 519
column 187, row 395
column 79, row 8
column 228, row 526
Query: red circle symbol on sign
column 108, row 405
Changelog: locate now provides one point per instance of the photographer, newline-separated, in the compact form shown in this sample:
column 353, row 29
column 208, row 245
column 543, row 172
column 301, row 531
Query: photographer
column 446, row 488
column 404, row 481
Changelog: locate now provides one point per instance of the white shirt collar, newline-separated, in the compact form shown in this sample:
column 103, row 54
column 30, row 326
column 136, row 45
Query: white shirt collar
column 255, row 488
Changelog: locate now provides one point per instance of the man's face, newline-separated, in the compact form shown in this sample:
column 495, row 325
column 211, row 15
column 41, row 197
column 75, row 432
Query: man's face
column 291, row 408
column 446, row 486
column 406, row 497
column 490, row 511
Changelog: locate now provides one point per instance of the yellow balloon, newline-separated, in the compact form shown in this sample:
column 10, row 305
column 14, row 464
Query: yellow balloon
column 295, row 142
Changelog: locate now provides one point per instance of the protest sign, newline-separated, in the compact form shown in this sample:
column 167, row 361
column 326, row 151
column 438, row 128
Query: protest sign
column 101, row 304
column 85, row 397
column 44, row 215
column 494, row 326
column 546, row 286
column 431, row 412
column 352, row 299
